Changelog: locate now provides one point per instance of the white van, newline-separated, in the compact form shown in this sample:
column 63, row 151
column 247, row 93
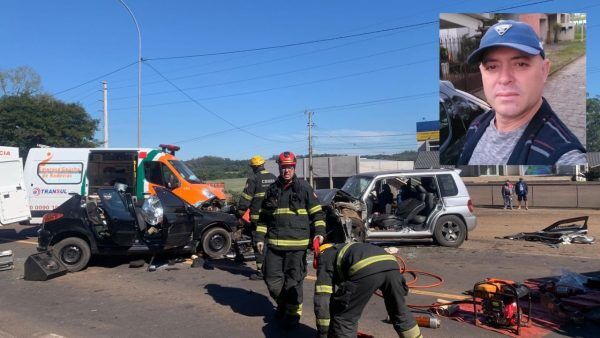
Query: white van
column 52, row 175
column 14, row 206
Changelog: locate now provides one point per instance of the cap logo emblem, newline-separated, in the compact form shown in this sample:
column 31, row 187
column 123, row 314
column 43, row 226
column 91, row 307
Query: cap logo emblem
column 501, row 29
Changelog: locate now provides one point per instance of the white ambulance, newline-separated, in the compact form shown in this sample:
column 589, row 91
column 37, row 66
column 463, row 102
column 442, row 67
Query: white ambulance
column 52, row 175
column 14, row 206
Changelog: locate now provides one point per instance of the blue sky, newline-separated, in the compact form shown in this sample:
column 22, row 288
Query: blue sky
column 367, row 92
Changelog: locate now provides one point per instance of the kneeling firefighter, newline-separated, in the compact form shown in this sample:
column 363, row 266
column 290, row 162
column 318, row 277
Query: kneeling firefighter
column 252, row 198
column 289, row 212
column 347, row 276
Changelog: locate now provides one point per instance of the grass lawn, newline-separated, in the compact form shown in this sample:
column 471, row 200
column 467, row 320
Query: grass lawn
column 232, row 184
column 563, row 53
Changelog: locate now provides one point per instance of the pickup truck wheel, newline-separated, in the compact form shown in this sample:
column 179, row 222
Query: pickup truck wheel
column 73, row 252
column 450, row 231
column 216, row 242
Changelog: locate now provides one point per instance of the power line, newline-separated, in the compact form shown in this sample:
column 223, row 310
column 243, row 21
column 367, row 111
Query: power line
column 293, row 44
column 208, row 110
column 372, row 102
column 95, row 79
column 411, row 134
column 283, row 73
column 263, row 122
column 521, row 5
column 260, row 62
column 291, row 85
column 295, row 114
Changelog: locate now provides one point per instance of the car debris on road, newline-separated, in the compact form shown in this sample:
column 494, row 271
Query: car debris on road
column 566, row 231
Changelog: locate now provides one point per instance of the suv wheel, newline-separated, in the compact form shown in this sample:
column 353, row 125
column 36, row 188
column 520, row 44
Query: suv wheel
column 216, row 242
column 73, row 252
column 450, row 231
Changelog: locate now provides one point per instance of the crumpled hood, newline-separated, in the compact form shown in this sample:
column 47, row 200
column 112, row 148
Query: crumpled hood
column 326, row 196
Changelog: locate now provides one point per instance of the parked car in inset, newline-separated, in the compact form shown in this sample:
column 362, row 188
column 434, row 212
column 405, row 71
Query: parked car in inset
column 429, row 203
column 457, row 110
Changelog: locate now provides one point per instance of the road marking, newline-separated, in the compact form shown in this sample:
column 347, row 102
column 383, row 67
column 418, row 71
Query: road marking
column 18, row 241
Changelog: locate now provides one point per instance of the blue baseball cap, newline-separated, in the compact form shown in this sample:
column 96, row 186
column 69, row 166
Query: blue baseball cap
column 509, row 33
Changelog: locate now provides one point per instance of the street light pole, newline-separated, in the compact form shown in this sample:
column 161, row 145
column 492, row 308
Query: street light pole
column 139, row 119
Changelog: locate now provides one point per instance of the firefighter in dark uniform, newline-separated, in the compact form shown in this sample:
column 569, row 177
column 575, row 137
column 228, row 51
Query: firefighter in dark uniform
column 252, row 198
column 348, row 274
column 289, row 213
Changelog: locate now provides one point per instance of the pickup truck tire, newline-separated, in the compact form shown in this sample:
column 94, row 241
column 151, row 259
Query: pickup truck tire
column 73, row 252
column 450, row 231
column 216, row 242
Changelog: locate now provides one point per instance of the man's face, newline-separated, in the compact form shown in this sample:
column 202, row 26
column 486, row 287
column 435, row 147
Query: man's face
column 287, row 172
column 513, row 81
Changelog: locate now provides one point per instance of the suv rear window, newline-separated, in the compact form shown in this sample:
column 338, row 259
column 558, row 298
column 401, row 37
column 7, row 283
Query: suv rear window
column 447, row 185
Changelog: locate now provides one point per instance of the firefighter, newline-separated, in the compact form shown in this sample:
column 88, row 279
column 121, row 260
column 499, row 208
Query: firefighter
column 289, row 213
column 252, row 198
column 348, row 274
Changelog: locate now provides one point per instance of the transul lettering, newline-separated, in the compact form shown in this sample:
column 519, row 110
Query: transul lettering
column 54, row 191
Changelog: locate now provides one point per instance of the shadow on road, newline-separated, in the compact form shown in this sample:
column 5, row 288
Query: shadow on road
column 252, row 304
column 18, row 233
column 230, row 266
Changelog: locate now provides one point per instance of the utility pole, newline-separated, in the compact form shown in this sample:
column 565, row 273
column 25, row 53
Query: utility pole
column 105, row 100
column 310, row 148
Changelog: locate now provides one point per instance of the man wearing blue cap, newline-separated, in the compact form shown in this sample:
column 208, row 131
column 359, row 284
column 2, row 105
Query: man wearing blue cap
column 521, row 128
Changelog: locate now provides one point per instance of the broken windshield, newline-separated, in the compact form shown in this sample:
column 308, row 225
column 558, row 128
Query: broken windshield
column 185, row 172
column 356, row 185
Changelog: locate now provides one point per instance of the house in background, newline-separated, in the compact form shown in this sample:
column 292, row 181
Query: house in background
column 544, row 25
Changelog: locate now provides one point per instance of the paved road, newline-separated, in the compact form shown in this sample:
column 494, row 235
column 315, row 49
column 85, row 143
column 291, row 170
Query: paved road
column 111, row 299
column 565, row 91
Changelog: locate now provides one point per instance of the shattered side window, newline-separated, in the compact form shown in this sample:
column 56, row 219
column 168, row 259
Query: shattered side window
column 447, row 185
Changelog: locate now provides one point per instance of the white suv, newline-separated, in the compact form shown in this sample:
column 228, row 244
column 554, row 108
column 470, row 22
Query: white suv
column 387, row 206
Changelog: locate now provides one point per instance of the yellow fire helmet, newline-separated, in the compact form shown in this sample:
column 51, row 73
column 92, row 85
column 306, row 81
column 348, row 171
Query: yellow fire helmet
column 257, row 160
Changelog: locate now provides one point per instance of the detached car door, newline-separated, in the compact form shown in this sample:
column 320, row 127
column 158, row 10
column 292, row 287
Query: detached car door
column 177, row 221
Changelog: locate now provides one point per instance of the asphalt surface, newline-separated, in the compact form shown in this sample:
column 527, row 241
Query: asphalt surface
column 111, row 299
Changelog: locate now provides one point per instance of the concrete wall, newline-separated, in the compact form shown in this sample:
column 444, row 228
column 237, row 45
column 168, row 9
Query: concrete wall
column 561, row 194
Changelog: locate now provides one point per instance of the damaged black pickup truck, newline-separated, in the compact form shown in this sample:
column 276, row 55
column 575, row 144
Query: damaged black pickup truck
column 389, row 206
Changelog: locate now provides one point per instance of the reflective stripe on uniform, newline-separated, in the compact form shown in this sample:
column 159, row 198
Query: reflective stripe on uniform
column 324, row 289
column 323, row 322
column 264, row 172
column 294, row 309
column 319, row 223
column 261, row 228
column 340, row 257
column 288, row 211
column 314, row 209
column 259, row 194
column 254, row 217
column 246, row 196
column 368, row 261
column 415, row 332
column 288, row 242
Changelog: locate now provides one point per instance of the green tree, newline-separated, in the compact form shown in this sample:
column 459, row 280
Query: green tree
column 27, row 120
column 19, row 81
column 593, row 123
